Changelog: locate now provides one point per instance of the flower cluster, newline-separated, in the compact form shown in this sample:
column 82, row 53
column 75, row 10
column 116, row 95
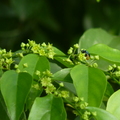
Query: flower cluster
column 45, row 79
column 114, row 73
column 43, row 49
column 83, row 56
column 5, row 59
column 80, row 106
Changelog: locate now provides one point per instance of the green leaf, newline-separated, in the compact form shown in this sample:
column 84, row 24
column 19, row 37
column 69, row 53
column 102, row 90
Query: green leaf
column 3, row 109
column 94, row 36
column 109, row 91
column 90, row 83
column 101, row 114
column 48, row 108
column 106, row 52
column 15, row 88
column 35, row 91
column 34, row 62
column 113, row 104
column 63, row 75
column 60, row 57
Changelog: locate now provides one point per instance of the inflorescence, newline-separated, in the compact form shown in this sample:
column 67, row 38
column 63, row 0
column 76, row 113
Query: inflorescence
column 77, row 57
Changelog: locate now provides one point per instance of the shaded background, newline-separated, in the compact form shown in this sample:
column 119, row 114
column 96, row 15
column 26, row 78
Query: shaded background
column 60, row 22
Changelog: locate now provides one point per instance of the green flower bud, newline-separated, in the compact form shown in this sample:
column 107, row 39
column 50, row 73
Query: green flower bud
column 70, row 51
column 118, row 67
column 114, row 65
column 117, row 73
column 37, row 73
column 110, row 67
column 76, row 46
column 61, row 84
column 16, row 66
column 76, row 99
column 96, row 57
column 95, row 65
column 23, row 45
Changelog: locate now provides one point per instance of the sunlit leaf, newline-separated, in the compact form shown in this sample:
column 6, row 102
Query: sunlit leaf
column 106, row 52
column 90, row 83
column 113, row 104
column 48, row 108
column 15, row 88
column 101, row 114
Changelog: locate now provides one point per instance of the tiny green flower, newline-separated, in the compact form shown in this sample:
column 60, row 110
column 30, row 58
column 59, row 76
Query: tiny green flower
column 37, row 73
column 23, row 45
column 16, row 66
column 31, row 42
column 110, row 67
column 114, row 65
column 36, row 48
column 117, row 73
column 4, row 51
column 61, row 84
column 95, row 65
column 118, row 67
column 51, row 55
column 43, row 44
column 50, row 88
column 41, row 52
column 47, row 73
column 76, row 99
column 86, row 104
column 82, row 106
column 46, row 81
column 70, row 51
column 64, row 94
column 96, row 57
column 76, row 46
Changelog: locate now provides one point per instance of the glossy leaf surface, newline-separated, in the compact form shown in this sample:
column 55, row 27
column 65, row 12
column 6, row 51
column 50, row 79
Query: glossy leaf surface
column 97, row 35
column 15, row 88
column 90, row 83
column 48, row 108
column 101, row 114
column 63, row 75
column 34, row 62
column 106, row 52
column 113, row 104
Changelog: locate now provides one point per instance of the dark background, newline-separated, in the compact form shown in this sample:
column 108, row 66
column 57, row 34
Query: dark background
column 60, row 22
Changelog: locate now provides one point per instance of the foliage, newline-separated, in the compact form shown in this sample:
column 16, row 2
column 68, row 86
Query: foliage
column 40, row 82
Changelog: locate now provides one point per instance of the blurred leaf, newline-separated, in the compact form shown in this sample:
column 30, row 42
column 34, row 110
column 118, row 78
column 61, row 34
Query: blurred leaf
column 34, row 63
column 101, row 114
column 105, row 52
column 94, row 36
column 90, row 83
column 113, row 104
column 48, row 108
column 15, row 88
